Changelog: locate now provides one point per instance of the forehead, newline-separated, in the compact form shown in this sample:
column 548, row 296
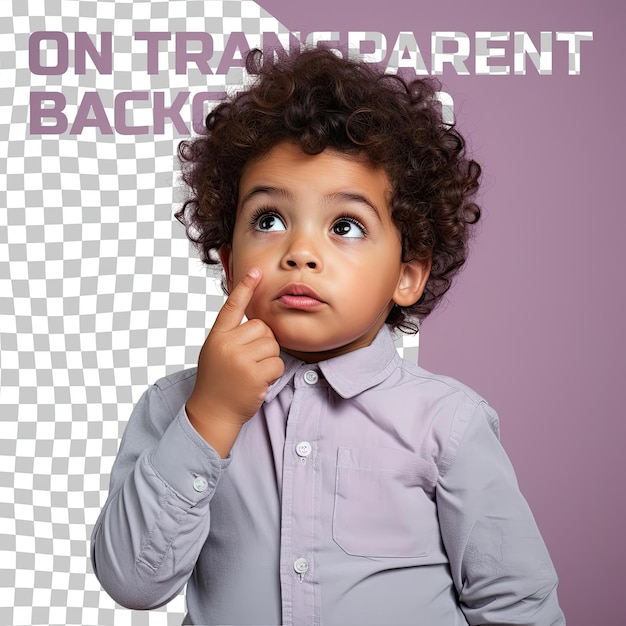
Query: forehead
column 287, row 168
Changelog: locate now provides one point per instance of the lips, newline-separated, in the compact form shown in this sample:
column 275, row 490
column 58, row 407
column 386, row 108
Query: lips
column 298, row 296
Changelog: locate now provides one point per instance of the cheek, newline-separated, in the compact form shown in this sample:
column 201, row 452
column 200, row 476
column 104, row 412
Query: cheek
column 239, row 266
column 257, row 307
column 247, row 252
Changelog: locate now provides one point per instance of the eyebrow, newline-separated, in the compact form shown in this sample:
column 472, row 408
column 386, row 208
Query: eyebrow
column 281, row 192
column 267, row 189
column 356, row 197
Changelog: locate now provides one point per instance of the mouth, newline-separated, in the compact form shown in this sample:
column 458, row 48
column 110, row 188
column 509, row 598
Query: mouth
column 297, row 296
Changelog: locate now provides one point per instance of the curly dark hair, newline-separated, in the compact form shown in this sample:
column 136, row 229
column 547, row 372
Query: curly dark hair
column 318, row 100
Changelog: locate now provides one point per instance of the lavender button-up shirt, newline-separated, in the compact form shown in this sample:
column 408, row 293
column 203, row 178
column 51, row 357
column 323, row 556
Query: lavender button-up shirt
column 365, row 491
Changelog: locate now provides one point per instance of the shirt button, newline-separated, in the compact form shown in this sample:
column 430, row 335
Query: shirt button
column 301, row 566
column 303, row 448
column 311, row 377
column 200, row 484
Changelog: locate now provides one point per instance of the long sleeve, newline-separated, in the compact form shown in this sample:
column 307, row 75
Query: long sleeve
column 148, row 536
column 282, row 507
column 498, row 560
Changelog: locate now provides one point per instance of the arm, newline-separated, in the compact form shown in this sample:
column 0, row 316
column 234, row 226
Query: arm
column 156, row 520
column 498, row 560
column 148, row 536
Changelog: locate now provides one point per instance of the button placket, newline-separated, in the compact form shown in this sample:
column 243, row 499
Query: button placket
column 301, row 436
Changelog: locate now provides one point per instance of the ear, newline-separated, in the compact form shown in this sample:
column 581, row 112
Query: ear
column 226, row 257
column 413, row 278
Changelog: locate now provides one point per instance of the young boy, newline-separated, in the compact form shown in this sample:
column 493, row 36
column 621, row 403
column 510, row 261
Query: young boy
column 304, row 473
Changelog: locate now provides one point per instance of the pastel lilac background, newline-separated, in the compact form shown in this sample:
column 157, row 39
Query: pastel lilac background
column 535, row 322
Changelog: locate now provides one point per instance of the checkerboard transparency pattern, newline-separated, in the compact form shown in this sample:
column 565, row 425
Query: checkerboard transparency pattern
column 100, row 293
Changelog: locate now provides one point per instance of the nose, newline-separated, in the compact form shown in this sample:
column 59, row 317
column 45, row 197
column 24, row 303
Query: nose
column 301, row 254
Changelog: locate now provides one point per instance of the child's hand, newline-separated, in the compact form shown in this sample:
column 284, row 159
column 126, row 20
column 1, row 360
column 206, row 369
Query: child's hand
column 237, row 363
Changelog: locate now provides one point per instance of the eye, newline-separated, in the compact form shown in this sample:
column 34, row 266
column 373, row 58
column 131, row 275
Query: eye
column 349, row 227
column 267, row 222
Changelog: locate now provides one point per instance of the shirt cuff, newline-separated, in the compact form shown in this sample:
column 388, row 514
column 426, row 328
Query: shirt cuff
column 185, row 462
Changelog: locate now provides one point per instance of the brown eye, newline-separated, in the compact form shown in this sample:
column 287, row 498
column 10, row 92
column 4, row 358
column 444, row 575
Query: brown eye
column 349, row 228
column 269, row 222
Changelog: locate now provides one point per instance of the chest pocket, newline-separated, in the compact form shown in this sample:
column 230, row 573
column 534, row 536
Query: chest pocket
column 384, row 503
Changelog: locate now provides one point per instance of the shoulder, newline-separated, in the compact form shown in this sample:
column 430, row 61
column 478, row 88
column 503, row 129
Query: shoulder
column 162, row 400
column 155, row 410
column 174, row 390
column 436, row 386
column 444, row 406
column 182, row 379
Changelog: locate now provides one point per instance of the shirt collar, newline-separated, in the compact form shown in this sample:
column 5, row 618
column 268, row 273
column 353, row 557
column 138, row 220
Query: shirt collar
column 351, row 373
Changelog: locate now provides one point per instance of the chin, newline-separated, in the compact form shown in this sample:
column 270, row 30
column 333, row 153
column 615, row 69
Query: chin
column 300, row 346
column 304, row 338
column 312, row 347
column 299, row 343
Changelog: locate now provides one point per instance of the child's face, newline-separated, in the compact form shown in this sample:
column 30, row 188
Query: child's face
column 319, row 227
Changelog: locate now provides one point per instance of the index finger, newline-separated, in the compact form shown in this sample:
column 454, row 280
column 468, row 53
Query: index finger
column 234, row 308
